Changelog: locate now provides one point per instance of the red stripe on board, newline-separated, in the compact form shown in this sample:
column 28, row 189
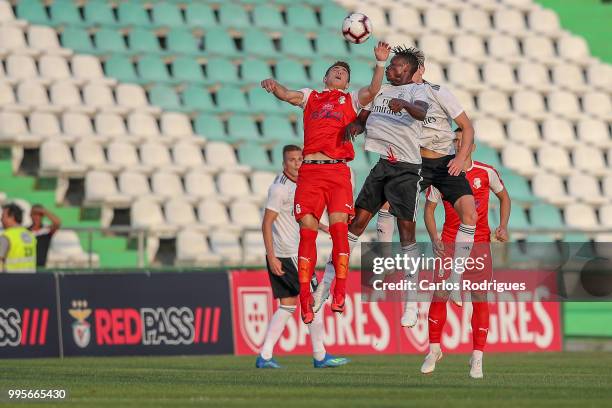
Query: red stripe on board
column 206, row 332
column 42, row 336
column 198, row 324
column 215, row 333
column 25, row 325
column 35, row 316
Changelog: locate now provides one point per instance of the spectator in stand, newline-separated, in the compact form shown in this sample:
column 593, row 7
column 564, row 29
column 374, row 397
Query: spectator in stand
column 42, row 232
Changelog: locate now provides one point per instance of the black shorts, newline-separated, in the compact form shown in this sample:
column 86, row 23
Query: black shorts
column 435, row 173
column 397, row 183
column 288, row 285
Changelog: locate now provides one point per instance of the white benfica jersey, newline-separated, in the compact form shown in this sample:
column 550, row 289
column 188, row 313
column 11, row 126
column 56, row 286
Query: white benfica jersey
column 396, row 136
column 438, row 134
column 285, row 229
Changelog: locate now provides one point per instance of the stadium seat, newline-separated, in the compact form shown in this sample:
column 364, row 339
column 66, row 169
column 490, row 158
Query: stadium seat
column 495, row 103
column 558, row 131
column 260, row 183
column 101, row 97
column 181, row 40
column 110, row 126
column 87, row 68
column 141, row 41
column 187, row 69
column 101, row 189
column 255, row 156
column 136, row 185
column 14, row 130
column 568, row 76
column 222, row 155
column 190, row 155
column 64, row 12
column 545, row 216
column 605, row 215
column 56, row 160
column 550, row 187
column 243, row 128
column 296, row 44
column 499, row 75
column 212, row 212
column 585, row 188
column 142, row 126
column 7, row 98
column 121, row 68
column 464, row 75
column 125, row 156
column 529, row 104
column 147, row 213
column 278, row 128
column 564, row 104
column 517, row 187
column 55, row 68
column 533, row 75
column 22, row 67
column 132, row 14
column 518, row 158
column 331, row 14
column 441, row 20
column 196, row 98
column 133, row 98
column 77, row 125
column 245, row 214
column 228, row 246
column 510, row 22
column 590, row 160
column 504, row 48
column 580, row 216
column 233, row 185
column 66, row 247
column 164, row 97
column 201, row 185
column 475, row 21
column 540, row 49
column 376, row 14
column 594, row 132
column 268, row 16
column 221, row 70
column 157, row 156
column 168, row 185
column 12, row 39
column 599, row 76
column 217, row 41
column 175, row 126
column 180, row 212
column 99, row 13
column 301, row 17
column 233, row 15
column 91, row 155
column 363, row 50
column 167, row 15
column 574, row 49
column 469, row 47
column 437, row 47
column 152, row 69
column 109, row 41
column 79, row 40
column 490, row 131
column 524, row 132
column 258, row 43
column 555, row 159
column 331, row 46
column 192, row 249
column 199, row 15
column 253, row 70
column 598, row 104
column 231, row 99
column 46, row 126
column 291, row 73
column 254, row 249
column 34, row 95
column 544, row 21
column 465, row 98
column 44, row 40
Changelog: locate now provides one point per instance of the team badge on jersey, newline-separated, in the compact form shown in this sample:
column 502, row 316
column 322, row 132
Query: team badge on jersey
column 341, row 100
column 477, row 183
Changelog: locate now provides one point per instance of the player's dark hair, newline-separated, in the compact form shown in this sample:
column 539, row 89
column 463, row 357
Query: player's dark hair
column 412, row 55
column 14, row 211
column 291, row 148
column 340, row 64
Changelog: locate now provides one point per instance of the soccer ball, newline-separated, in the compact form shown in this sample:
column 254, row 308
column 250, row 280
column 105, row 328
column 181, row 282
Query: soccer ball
column 357, row 28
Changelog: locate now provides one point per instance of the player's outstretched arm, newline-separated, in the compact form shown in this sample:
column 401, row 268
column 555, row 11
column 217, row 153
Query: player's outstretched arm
column 505, row 204
column 282, row 93
column 417, row 109
column 432, row 228
column 368, row 93
column 455, row 166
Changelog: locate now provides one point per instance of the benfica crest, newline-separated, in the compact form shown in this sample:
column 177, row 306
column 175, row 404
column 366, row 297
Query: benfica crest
column 81, row 329
column 255, row 304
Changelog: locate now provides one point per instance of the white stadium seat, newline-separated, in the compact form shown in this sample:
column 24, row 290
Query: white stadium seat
column 190, row 155
column 157, row 156
column 585, row 188
column 100, row 97
column 254, row 249
column 192, row 249
column 136, row 185
column 134, row 98
column 7, row 98
column 234, row 185
column 46, row 126
column 377, row 15
column 44, row 40
column 488, row 5
column 607, row 186
column 490, row 131
column 167, row 185
column 465, row 75
column 180, row 212
column 519, row 4
column 66, row 96
column 495, row 103
column 605, row 215
column 469, row 47
column 7, row 17
column 12, row 39
column 56, row 159
column 65, row 250
column 555, row 158
column 440, row 20
column 581, row 216
column 598, row 104
column 475, row 21
column 87, row 68
column 176, row 126
column 590, row 160
column 595, row 132
column 101, row 189
column 550, row 187
column 433, row 72
column 111, row 126
column 228, row 246
column 499, row 75
column 54, row 68
column 518, row 158
column 529, row 104
column 558, row 131
column 509, row 21
column 467, row 102
column 525, row 132
column 406, row 19
column 143, row 127
column 220, row 154
column 544, row 21
column 245, row 214
column 125, row 156
column 77, row 125
column 201, row 185
column 14, row 130
column 261, row 182
column 568, row 76
column 212, row 213
column 564, row 104
column 437, row 47
column 91, row 155
column 146, row 213
column 22, row 67
column 599, row 76
column 504, row 48
column 533, row 75
column 540, row 49
column 574, row 49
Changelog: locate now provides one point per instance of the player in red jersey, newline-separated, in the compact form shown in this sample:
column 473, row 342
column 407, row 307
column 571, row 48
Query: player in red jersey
column 482, row 178
column 324, row 180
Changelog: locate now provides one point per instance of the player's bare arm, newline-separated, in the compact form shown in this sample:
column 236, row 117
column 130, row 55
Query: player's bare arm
column 368, row 93
column 417, row 109
column 432, row 228
column 266, row 229
column 356, row 127
column 282, row 93
column 456, row 165
column 505, row 204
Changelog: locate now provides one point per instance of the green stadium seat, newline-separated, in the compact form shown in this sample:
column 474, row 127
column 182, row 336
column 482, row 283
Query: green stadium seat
column 151, row 68
column 33, row 11
column 133, row 14
column 65, row 12
column 233, row 15
column 257, row 42
column 182, row 41
column 517, row 187
column 210, row 126
column 243, row 128
column 167, row 15
column 302, row 17
column 99, row 12
column 143, row 41
column 318, row 68
column 256, row 156
column 361, row 73
column 121, row 68
column 332, row 15
column 231, row 99
column 255, row 70
column 296, row 44
column 331, row 46
column 540, row 238
column 291, row 73
column 109, row 40
column 165, row 97
column 261, row 101
column 221, row 70
column 364, row 50
column 187, row 69
column 200, row 15
column 518, row 219
column 218, row 41
column 268, row 17
column 197, row 98
column 544, row 215
column 78, row 40
column 276, row 127
column 487, row 155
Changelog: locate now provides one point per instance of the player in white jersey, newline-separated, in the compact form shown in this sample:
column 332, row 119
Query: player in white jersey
column 281, row 235
column 443, row 166
column 393, row 122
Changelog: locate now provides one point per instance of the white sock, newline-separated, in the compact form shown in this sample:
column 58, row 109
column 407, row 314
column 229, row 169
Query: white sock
column 317, row 334
column 385, row 225
column 330, row 272
column 464, row 241
column 477, row 355
column 411, row 274
column 275, row 329
column 434, row 348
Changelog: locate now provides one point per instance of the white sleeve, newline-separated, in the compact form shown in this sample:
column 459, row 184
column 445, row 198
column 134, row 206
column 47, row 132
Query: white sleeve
column 495, row 182
column 449, row 102
column 306, row 92
column 277, row 194
column 419, row 94
column 433, row 194
column 355, row 100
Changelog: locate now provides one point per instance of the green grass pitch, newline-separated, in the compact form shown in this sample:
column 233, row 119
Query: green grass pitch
column 511, row 380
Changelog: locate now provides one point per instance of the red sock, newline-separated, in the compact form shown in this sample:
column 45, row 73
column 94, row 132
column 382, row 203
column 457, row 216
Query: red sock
column 340, row 255
column 480, row 324
column 307, row 259
column 436, row 321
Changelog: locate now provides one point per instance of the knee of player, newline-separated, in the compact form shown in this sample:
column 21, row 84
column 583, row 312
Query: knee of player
column 469, row 217
column 358, row 225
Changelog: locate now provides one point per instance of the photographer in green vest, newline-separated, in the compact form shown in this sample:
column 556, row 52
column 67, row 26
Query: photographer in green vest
column 17, row 243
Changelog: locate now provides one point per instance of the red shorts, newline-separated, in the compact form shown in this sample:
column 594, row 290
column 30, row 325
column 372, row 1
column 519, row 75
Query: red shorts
column 323, row 185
